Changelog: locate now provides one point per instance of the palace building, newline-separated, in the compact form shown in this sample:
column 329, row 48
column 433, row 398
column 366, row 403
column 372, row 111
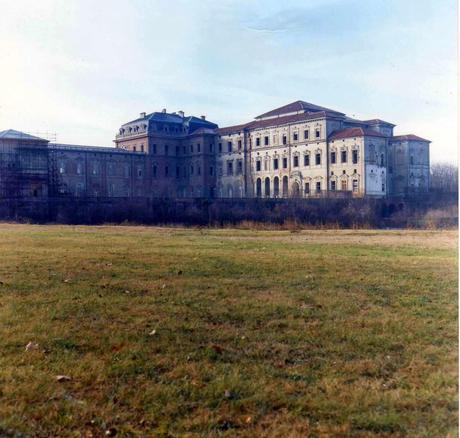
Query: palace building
column 299, row 150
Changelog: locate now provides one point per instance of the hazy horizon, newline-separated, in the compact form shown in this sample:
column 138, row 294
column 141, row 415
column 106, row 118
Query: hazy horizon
column 81, row 69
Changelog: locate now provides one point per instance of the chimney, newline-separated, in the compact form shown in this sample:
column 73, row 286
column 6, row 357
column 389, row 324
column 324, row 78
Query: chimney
column 203, row 117
column 143, row 115
column 181, row 113
column 163, row 110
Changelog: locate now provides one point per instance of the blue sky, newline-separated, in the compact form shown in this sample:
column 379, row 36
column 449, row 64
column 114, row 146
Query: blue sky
column 81, row 68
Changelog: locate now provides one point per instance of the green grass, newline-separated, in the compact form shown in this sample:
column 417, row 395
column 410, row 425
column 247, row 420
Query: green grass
column 258, row 333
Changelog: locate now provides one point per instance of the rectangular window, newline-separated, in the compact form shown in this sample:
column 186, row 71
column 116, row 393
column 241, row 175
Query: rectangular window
column 198, row 171
column 177, row 172
column 240, row 167
column 355, row 157
column 275, row 164
column 383, row 187
column 229, row 168
column 211, row 170
column 191, row 170
column 239, row 145
column 344, row 186
column 154, row 148
column 284, row 139
column 211, row 148
column 306, row 160
column 220, row 147
column 333, row 159
column 285, row 163
column 166, row 149
column 307, row 188
column 257, row 141
column 305, row 134
column 296, row 161
column 198, row 146
column 258, row 166
column 154, row 171
column 229, row 146
column 79, row 169
column 317, row 133
column 343, row 156
column 355, row 185
column 266, row 141
column 166, row 171
column 333, row 186
column 318, row 187
column 318, row 159
column 296, row 136
column 191, row 148
column 142, row 148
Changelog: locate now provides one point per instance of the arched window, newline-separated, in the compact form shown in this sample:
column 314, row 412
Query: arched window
column 295, row 189
column 285, row 186
column 276, row 187
column 267, row 187
column 259, row 187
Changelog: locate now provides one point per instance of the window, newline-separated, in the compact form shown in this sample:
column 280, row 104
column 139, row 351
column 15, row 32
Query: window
column 166, row 171
column 355, row 185
column 177, row 150
column 307, row 188
column 198, row 146
column 318, row 186
column 306, row 160
column 257, row 141
column 382, row 160
column 343, row 156
column 354, row 156
column 139, row 172
column 191, row 170
column 211, row 148
column 390, row 169
column 305, row 134
column 317, row 132
column 61, row 167
column 275, row 163
column 142, row 148
column 285, row 163
column 154, row 148
column 284, row 139
column 333, row 186
column 229, row 167
column 191, row 148
column 411, row 160
column 229, row 146
column 220, row 147
column 296, row 161
column 333, row 158
column 198, row 170
column 134, row 148
column 239, row 167
column 79, row 169
column 318, row 159
column 239, row 145
column 266, row 141
column 258, row 166
column 95, row 169
column 177, row 171
column 344, row 185
column 383, row 187
column 166, row 149
column 296, row 136
column 211, row 170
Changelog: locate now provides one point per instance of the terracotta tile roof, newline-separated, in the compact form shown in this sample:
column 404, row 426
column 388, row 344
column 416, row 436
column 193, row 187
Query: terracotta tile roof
column 232, row 129
column 298, row 105
column 408, row 137
column 354, row 132
column 258, row 124
column 376, row 122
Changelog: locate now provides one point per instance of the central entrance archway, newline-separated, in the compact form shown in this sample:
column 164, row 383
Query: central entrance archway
column 295, row 189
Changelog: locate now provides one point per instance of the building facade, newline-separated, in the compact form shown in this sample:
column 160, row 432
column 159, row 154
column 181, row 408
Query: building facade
column 298, row 150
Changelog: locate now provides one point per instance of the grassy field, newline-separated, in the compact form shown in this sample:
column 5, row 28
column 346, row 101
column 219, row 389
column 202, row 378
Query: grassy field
column 187, row 332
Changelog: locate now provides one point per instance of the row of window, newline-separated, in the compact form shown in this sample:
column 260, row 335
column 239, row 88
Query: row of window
column 295, row 137
column 181, row 171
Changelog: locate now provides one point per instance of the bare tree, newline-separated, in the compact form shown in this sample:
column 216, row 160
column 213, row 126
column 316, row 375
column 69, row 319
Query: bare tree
column 444, row 177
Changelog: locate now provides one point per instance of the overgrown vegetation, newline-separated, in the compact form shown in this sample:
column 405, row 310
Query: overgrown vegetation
column 199, row 332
